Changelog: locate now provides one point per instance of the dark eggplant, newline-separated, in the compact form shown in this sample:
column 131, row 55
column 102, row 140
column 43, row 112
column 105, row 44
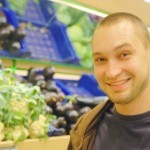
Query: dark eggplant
column 53, row 131
column 62, row 122
column 70, row 126
column 32, row 72
column 51, row 86
column 71, row 116
column 68, row 106
column 48, row 110
column 60, row 96
column 15, row 46
column 37, row 78
column 55, row 123
column 41, row 84
column 4, row 32
column 11, row 47
column 59, row 103
column 11, row 30
column 60, row 110
column 50, row 98
column 48, row 72
column 19, row 34
column 44, row 91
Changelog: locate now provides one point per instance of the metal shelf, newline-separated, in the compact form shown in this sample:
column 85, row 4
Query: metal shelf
column 24, row 64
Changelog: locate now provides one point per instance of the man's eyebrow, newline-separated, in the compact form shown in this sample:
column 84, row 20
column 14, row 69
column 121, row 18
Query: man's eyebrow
column 96, row 53
column 116, row 48
column 121, row 46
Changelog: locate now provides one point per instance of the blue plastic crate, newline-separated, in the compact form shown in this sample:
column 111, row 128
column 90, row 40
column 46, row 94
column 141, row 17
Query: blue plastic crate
column 48, row 10
column 34, row 12
column 4, row 3
column 64, row 44
column 12, row 20
column 51, row 45
column 84, row 87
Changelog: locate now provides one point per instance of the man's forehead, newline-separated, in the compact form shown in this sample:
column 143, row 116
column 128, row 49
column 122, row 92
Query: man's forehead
column 124, row 24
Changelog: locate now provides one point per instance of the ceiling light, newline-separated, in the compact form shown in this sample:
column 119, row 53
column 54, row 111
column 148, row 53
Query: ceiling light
column 148, row 1
column 73, row 5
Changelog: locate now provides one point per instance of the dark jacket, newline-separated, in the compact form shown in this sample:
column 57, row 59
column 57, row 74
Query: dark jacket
column 82, row 136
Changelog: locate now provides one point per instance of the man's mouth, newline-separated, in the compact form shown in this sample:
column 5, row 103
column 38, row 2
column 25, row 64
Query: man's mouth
column 118, row 83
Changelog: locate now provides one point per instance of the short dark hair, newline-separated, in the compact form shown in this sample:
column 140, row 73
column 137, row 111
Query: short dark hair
column 137, row 23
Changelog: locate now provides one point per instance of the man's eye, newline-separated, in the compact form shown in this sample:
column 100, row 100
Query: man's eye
column 125, row 54
column 101, row 59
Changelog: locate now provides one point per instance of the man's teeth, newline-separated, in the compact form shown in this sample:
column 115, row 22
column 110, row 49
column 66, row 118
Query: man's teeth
column 118, row 83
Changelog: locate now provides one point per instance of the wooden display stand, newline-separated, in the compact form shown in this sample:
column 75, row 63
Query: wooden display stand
column 52, row 143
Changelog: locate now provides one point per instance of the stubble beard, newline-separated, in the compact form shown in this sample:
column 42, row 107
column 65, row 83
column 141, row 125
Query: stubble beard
column 128, row 96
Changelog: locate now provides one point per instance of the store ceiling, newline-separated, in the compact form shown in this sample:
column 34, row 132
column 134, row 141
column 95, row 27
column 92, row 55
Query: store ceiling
column 137, row 7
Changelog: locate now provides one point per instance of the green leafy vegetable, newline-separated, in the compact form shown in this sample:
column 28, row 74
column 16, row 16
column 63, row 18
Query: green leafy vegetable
column 21, row 107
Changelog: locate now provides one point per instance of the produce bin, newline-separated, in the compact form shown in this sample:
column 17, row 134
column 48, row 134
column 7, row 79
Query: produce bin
column 53, row 44
column 52, row 143
column 86, row 86
column 49, row 43
column 80, row 27
column 11, row 19
column 29, row 10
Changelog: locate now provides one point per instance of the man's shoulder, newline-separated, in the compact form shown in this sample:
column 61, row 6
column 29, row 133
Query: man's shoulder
column 86, row 123
column 95, row 111
column 88, row 117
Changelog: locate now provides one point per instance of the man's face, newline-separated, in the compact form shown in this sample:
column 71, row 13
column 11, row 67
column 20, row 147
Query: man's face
column 121, row 62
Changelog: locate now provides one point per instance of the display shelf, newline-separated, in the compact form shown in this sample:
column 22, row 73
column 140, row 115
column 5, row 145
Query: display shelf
column 52, row 143
column 24, row 64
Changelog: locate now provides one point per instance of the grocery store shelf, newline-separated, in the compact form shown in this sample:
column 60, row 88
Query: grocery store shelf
column 61, row 69
column 52, row 143
column 24, row 64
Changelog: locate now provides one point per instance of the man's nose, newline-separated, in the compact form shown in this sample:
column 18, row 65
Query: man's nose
column 113, row 69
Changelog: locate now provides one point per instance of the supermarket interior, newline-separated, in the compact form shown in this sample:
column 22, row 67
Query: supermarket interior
column 46, row 68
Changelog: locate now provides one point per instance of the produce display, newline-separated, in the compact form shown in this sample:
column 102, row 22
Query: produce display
column 33, row 106
column 22, row 110
column 10, row 37
column 80, row 27
column 66, row 108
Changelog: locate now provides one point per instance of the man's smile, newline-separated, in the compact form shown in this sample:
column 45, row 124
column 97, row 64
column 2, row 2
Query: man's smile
column 117, row 83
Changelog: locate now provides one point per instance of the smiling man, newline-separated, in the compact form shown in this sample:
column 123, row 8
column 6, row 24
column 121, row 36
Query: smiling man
column 121, row 54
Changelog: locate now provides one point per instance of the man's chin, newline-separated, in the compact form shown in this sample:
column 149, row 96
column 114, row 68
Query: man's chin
column 121, row 101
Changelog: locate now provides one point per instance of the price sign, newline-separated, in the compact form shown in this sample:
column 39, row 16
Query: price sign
column 8, row 148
